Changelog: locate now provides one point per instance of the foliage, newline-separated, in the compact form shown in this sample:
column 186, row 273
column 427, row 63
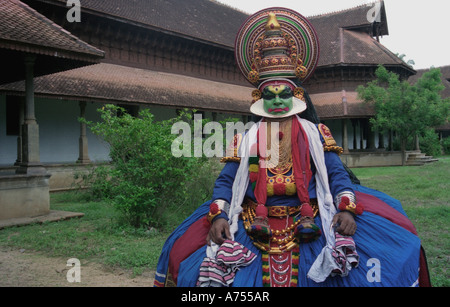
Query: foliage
column 404, row 108
column 430, row 144
column 144, row 178
column 446, row 145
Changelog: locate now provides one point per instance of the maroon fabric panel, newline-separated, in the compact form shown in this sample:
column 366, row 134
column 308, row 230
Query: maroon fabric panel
column 377, row 206
column 193, row 239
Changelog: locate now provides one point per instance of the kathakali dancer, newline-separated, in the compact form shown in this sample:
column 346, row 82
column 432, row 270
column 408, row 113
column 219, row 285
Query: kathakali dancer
column 285, row 211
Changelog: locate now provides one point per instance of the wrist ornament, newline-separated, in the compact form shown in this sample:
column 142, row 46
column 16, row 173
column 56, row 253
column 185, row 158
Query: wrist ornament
column 219, row 208
column 346, row 201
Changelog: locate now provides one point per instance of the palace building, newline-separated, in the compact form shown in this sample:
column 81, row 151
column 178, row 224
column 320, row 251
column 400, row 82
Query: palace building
column 163, row 55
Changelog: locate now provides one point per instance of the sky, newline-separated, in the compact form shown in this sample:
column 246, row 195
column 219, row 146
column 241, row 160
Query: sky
column 417, row 28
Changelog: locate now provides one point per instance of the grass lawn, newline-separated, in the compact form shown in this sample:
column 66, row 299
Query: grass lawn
column 423, row 191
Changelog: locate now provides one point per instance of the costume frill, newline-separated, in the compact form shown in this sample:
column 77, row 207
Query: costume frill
column 389, row 250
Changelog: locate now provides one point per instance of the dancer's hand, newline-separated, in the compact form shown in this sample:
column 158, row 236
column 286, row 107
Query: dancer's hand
column 219, row 232
column 346, row 223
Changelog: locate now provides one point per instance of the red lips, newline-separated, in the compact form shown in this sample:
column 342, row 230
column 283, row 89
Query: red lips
column 278, row 110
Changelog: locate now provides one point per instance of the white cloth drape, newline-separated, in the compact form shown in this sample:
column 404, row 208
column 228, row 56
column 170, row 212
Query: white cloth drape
column 325, row 262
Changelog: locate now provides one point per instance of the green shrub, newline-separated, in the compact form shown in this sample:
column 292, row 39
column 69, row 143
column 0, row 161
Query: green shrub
column 446, row 145
column 429, row 143
column 144, row 179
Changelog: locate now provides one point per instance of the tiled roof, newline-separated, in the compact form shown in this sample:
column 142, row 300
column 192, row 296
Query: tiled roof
column 330, row 105
column 120, row 84
column 345, row 38
column 214, row 22
column 24, row 29
column 206, row 20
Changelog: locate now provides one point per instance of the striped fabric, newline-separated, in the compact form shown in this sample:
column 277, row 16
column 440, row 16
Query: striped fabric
column 221, row 270
column 345, row 255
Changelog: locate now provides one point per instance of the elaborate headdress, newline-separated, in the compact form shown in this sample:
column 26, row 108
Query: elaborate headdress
column 277, row 46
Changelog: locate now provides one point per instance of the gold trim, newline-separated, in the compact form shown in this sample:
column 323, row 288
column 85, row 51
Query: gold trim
column 326, row 134
column 230, row 159
column 336, row 149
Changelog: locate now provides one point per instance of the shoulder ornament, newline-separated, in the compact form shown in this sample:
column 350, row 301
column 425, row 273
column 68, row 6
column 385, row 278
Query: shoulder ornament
column 329, row 142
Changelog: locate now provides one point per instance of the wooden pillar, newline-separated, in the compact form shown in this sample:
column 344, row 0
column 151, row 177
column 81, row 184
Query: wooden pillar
column 362, row 132
column 371, row 139
column 30, row 129
column 344, row 123
column 344, row 136
column 83, row 156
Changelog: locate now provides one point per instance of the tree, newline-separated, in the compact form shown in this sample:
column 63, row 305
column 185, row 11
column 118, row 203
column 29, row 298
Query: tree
column 144, row 179
column 404, row 108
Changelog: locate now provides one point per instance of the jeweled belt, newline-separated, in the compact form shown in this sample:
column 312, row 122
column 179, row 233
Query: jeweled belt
column 280, row 211
column 285, row 244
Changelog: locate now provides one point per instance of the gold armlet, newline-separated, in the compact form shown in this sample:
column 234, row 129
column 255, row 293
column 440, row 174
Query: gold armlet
column 336, row 149
column 230, row 159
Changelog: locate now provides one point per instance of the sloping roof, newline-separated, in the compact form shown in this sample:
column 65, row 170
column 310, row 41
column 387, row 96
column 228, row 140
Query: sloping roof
column 110, row 83
column 331, row 105
column 209, row 21
column 359, row 48
column 23, row 30
column 216, row 23
column 121, row 84
column 346, row 37
column 358, row 18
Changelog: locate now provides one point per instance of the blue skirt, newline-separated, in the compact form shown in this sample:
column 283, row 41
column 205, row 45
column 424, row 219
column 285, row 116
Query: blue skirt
column 386, row 242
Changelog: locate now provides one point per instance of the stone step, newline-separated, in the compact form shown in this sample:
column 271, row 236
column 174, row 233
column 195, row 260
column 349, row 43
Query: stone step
column 416, row 158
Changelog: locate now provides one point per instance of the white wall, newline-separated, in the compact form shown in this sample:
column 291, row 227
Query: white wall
column 335, row 126
column 59, row 132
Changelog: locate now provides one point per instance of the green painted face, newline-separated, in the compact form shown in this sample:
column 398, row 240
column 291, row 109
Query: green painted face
column 277, row 99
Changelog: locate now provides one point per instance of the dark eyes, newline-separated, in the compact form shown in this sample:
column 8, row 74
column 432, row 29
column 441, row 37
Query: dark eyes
column 268, row 96
column 284, row 95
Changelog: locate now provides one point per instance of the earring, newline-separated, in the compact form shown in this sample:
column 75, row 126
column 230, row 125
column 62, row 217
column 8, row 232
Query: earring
column 299, row 93
column 256, row 95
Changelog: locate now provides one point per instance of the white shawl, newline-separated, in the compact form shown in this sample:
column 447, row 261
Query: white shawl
column 325, row 263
